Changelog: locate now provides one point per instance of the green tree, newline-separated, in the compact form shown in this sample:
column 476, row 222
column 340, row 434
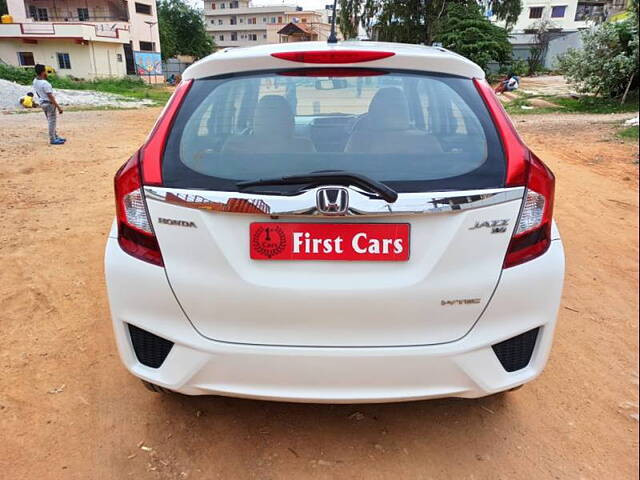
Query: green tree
column 466, row 31
column 607, row 63
column 409, row 21
column 182, row 30
column 3, row 7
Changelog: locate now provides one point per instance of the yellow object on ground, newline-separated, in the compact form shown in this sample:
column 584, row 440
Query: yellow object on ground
column 27, row 101
column 6, row 18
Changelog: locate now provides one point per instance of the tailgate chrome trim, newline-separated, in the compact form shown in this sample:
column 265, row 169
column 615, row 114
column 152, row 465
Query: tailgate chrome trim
column 361, row 203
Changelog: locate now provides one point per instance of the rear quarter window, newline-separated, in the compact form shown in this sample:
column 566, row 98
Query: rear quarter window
column 413, row 131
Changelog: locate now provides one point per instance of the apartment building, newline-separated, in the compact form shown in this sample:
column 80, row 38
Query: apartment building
column 84, row 38
column 565, row 18
column 239, row 24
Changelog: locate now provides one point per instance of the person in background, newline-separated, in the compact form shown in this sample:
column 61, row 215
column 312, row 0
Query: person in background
column 27, row 101
column 509, row 84
column 48, row 102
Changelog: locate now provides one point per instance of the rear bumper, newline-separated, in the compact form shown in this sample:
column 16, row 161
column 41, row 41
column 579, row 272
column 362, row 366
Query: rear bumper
column 527, row 297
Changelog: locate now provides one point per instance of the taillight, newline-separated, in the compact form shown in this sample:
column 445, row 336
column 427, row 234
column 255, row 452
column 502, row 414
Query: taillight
column 332, row 56
column 153, row 149
column 135, row 234
column 532, row 235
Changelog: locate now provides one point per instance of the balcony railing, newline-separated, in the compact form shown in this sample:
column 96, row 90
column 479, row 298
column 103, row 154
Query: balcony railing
column 85, row 31
column 76, row 18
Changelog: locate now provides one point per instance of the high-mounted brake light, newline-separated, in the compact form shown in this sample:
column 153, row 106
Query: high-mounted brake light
column 333, row 72
column 332, row 56
column 153, row 149
column 135, row 234
column 532, row 236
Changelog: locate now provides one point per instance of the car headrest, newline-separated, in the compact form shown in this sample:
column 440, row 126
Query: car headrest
column 388, row 110
column 273, row 116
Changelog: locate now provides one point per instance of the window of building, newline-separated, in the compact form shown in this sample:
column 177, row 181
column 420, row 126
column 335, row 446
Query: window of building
column 221, row 38
column 41, row 15
column 252, row 21
column 83, row 14
column 558, row 12
column 147, row 46
column 273, row 19
column 234, row 36
column 279, row 19
column 241, row 20
column 119, row 57
column 64, row 63
column 253, row 37
column 589, row 11
column 233, row 4
column 26, row 59
column 536, row 12
column 232, row 21
column 143, row 8
column 264, row 35
column 213, row 6
column 222, row 5
column 264, row 19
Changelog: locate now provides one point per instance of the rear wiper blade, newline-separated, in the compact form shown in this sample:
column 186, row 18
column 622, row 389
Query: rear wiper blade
column 340, row 177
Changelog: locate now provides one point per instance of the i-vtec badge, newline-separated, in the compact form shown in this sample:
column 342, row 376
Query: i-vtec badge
column 496, row 226
column 177, row 223
column 460, row 301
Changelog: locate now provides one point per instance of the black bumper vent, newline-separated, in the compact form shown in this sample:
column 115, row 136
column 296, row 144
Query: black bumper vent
column 515, row 353
column 150, row 349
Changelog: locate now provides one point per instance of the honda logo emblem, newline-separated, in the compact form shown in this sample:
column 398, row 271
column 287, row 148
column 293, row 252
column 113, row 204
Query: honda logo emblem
column 332, row 201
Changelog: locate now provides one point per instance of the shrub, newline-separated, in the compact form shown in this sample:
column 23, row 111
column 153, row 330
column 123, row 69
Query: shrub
column 607, row 64
column 23, row 76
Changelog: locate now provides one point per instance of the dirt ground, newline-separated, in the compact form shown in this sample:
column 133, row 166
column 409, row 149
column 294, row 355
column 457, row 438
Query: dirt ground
column 68, row 409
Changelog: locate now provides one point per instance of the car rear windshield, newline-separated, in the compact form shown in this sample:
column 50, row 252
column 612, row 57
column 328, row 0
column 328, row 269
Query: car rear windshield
column 412, row 131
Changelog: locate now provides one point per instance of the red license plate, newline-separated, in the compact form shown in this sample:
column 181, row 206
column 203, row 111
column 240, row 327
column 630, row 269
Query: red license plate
column 330, row 241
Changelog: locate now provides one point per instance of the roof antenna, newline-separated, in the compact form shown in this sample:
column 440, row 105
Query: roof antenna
column 332, row 35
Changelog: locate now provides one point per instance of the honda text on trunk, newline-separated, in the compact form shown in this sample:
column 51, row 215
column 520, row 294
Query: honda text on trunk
column 350, row 222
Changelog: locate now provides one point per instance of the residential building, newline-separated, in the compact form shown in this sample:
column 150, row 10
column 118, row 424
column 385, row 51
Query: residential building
column 239, row 24
column 84, row 38
column 564, row 18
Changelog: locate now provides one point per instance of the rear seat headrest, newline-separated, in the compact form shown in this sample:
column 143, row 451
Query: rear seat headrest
column 273, row 117
column 388, row 110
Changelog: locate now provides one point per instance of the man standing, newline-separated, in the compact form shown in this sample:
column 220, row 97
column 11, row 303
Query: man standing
column 44, row 90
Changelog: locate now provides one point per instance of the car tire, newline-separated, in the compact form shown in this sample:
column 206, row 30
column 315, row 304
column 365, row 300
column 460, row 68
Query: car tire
column 154, row 388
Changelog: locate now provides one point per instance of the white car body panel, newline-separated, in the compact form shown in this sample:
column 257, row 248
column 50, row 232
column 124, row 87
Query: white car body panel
column 527, row 296
column 353, row 303
column 407, row 57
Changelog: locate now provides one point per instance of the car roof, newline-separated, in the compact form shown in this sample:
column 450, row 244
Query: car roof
column 406, row 57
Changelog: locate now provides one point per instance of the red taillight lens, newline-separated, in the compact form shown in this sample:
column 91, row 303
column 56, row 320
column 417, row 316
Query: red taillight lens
column 515, row 150
column 532, row 235
column 153, row 149
column 332, row 56
column 333, row 72
column 135, row 234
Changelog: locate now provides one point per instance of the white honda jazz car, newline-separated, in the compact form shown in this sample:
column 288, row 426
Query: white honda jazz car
column 357, row 222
